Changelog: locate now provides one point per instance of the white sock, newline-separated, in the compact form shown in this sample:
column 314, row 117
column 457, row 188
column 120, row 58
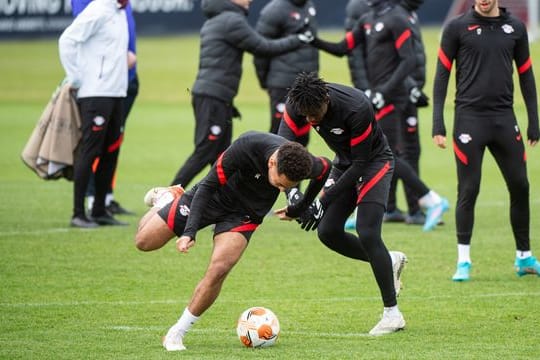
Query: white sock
column 391, row 311
column 108, row 199
column 523, row 254
column 90, row 202
column 430, row 199
column 464, row 253
column 185, row 322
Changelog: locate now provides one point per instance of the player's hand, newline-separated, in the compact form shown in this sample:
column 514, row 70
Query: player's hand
column 376, row 98
column 294, row 196
column 414, row 95
column 131, row 59
column 282, row 214
column 533, row 134
column 440, row 141
column 183, row 244
column 306, row 37
column 310, row 219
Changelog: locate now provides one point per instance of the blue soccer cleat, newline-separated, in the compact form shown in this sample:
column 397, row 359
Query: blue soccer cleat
column 434, row 214
column 527, row 266
column 350, row 224
column 463, row 271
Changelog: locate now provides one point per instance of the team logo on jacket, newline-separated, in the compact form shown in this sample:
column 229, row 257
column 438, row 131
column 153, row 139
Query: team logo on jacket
column 329, row 182
column 184, row 210
column 312, row 11
column 465, row 138
column 337, row 131
column 99, row 120
column 507, row 28
column 379, row 26
column 295, row 15
column 257, row 176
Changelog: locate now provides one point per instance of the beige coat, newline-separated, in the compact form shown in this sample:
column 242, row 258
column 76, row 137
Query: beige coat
column 50, row 151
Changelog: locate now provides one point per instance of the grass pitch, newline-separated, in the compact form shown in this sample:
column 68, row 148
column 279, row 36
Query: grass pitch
column 76, row 294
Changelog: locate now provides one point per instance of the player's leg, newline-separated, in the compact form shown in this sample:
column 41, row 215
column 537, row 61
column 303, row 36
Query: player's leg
column 411, row 154
column 228, row 248
column 277, row 107
column 509, row 153
column 469, row 140
column 213, row 133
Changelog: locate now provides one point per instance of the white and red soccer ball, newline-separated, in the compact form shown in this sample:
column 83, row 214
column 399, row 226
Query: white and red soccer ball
column 258, row 327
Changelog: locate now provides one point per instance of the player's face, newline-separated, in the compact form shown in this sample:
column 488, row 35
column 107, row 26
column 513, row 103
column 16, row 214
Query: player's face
column 276, row 179
column 242, row 3
column 317, row 115
column 487, row 7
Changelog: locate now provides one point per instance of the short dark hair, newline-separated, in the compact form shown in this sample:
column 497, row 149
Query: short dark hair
column 308, row 93
column 294, row 161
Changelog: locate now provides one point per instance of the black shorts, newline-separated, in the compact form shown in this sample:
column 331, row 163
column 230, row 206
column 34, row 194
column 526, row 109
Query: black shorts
column 176, row 213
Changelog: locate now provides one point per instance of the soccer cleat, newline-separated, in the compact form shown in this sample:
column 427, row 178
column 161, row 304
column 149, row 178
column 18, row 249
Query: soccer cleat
column 399, row 260
column 173, row 341
column 116, row 209
column 83, row 222
column 418, row 218
column 462, row 271
column 394, row 216
column 163, row 195
column 527, row 266
column 108, row 219
column 434, row 214
column 388, row 324
column 350, row 224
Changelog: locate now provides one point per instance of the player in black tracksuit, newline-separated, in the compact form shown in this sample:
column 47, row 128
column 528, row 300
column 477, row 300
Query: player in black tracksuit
column 484, row 42
column 360, row 177
column 385, row 35
column 280, row 18
column 237, row 193
column 225, row 36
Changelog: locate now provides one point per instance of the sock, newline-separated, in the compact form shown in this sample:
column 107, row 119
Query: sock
column 430, row 199
column 108, row 199
column 391, row 311
column 90, row 202
column 523, row 254
column 185, row 322
column 464, row 253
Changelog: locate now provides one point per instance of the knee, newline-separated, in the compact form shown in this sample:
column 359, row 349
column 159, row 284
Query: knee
column 519, row 187
column 218, row 271
column 328, row 235
column 143, row 242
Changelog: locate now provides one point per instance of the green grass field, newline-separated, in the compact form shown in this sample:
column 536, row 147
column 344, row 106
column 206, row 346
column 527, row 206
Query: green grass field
column 74, row 294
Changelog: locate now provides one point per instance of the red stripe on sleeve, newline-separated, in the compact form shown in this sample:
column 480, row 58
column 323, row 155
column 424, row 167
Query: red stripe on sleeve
column 371, row 183
column 402, row 38
column 116, row 145
column 460, row 155
column 357, row 140
column 447, row 63
column 298, row 131
column 325, row 169
column 220, row 172
column 246, row 227
column 384, row 111
column 350, row 40
column 172, row 212
column 526, row 66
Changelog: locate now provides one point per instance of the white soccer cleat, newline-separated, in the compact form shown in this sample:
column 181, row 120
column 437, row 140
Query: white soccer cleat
column 161, row 196
column 173, row 341
column 389, row 323
column 399, row 260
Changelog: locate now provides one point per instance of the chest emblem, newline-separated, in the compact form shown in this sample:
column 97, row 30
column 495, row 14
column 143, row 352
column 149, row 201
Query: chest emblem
column 508, row 29
column 473, row 27
column 337, row 131
column 379, row 26
column 257, row 176
column 465, row 138
column 312, row 11
column 295, row 15
column 367, row 29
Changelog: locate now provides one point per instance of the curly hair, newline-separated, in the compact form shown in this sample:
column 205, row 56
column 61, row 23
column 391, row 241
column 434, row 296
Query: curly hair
column 294, row 161
column 307, row 93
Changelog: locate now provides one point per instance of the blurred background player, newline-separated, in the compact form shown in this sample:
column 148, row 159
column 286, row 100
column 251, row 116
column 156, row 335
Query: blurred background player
column 101, row 85
column 237, row 193
column 410, row 150
column 225, row 36
column 280, row 18
column 385, row 36
column 111, row 204
column 484, row 42
column 360, row 178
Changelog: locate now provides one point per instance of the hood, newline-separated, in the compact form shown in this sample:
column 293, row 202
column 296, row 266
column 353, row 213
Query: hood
column 411, row 5
column 211, row 8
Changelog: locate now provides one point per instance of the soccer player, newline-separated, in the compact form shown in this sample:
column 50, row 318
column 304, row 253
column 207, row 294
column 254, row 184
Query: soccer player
column 280, row 18
column 484, row 42
column 236, row 195
column 360, row 177
column 225, row 36
column 385, row 35
column 101, row 84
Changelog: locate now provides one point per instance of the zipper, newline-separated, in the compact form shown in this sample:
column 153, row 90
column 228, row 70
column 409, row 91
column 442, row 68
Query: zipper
column 101, row 67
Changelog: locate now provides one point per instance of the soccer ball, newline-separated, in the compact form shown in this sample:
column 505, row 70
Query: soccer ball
column 258, row 327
